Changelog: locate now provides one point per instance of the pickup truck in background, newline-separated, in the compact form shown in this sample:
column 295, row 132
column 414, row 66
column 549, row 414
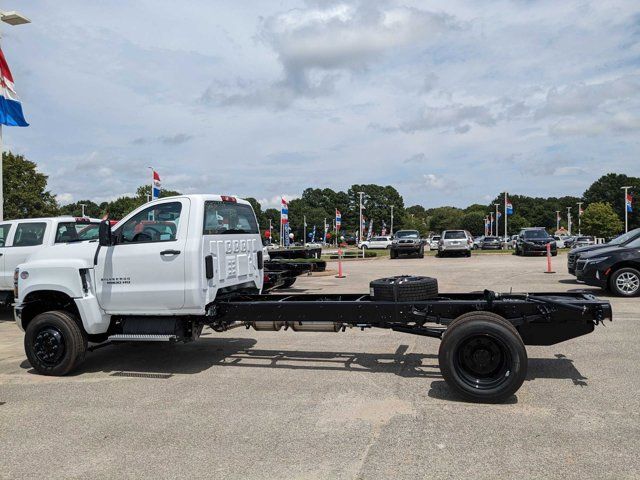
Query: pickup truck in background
column 178, row 264
column 20, row 238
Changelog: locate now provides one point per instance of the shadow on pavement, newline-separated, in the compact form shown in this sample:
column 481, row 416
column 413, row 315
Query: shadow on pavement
column 560, row 367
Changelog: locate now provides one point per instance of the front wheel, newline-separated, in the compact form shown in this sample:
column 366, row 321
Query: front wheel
column 482, row 358
column 625, row 282
column 54, row 343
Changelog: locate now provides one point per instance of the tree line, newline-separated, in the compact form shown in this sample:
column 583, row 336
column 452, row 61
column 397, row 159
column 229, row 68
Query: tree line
column 26, row 196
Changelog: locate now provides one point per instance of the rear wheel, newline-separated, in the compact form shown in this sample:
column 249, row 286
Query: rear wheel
column 482, row 357
column 54, row 343
column 625, row 282
column 393, row 254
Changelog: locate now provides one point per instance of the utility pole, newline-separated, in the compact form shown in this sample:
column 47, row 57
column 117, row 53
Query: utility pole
column 392, row 220
column 497, row 222
column 580, row 218
column 83, row 205
column 557, row 220
column 506, row 216
column 10, row 18
column 626, row 208
column 569, row 220
column 360, row 225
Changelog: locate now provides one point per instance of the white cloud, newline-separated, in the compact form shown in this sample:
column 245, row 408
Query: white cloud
column 438, row 182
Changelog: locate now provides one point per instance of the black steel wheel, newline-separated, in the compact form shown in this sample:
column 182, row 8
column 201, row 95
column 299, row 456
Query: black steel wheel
column 54, row 343
column 482, row 358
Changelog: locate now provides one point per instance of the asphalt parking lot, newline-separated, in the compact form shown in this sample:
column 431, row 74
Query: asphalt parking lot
column 371, row 404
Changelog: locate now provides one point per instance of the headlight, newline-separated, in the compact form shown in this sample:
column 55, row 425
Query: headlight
column 595, row 261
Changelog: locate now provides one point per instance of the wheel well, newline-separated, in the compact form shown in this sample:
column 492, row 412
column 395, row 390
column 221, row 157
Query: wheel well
column 41, row 301
column 618, row 266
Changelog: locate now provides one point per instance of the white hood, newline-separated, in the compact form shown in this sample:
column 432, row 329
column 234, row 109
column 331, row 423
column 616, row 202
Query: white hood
column 80, row 253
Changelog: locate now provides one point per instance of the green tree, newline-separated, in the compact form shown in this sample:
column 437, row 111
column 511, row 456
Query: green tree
column 607, row 189
column 91, row 209
column 599, row 219
column 444, row 218
column 377, row 200
column 473, row 222
column 25, row 189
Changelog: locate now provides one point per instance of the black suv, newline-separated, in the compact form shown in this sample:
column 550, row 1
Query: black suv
column 406, row 242
column 616, row 268
column 622, row 240
column 532, row 241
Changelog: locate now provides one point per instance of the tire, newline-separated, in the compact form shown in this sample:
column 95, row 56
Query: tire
column 393, row 254
column 482, row 358
column 625, row 282
column 421, row 253
column 55, row 343
column 404, row 288
column 468, row 254
column 554, row 254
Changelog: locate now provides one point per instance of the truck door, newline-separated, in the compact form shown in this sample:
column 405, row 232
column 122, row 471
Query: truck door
column 232, row 239
column 6, row 277
column 28, row 238
column 145, row 270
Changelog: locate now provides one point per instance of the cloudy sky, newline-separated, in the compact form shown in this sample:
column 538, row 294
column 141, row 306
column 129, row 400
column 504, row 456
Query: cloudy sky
column 451, row 102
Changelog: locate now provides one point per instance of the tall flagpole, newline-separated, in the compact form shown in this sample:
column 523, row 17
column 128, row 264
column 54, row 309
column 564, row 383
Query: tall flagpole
column 392, row 220
column 497, row 220
column 569, row 219
column 506, row 215
column 557, row 220
column 579, row 218
column 360, row 227
column 2, row 178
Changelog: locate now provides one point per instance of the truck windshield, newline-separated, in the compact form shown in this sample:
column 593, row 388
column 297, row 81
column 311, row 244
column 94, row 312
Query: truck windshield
column 407, row 234
column 226, row 218
column 536, row 234
column 76, row 231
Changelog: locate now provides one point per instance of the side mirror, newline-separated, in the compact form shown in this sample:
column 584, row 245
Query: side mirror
column 105, row 238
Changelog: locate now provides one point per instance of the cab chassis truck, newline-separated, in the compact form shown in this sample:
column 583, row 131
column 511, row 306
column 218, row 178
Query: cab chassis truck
column 176, row 265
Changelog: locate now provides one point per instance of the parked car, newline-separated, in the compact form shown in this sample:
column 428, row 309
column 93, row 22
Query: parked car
column 559, row 241
column 21, row 238
column 455, row 242
column 583, row 242
column 616, row 268
column 513, row 240
column 568, row 241
column 532, row 241
column 377, row 243
column 621, row 240
column 406, row 242
column 491, row 243
column 477, row 242
column 433, row 242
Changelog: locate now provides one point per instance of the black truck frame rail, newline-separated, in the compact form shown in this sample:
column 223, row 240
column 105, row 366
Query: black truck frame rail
column 540, row 318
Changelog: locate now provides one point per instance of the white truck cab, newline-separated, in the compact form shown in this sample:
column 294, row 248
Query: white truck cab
column 168, row 259
column 19, row 239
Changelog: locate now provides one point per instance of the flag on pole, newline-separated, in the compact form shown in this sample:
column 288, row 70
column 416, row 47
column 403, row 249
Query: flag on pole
column 312, row 234
column 10, row 106
column 338, row 220
column 286, row 234
column 156, row 186
column 629, row 202
column 558, row 216
column 284, row 212
column 499, row 214
column 509, row 207
column 384, row 228
column 370, row 229
column 580, row 210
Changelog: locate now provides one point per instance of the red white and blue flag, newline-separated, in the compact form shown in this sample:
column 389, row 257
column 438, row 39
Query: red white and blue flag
column 284, row 212
column 10, row 106
column 338, row 220
column 509, row 207
column 156, row 186
column 629, row 201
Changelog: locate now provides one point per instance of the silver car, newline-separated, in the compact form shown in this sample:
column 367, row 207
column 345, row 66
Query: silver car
column 455, row 242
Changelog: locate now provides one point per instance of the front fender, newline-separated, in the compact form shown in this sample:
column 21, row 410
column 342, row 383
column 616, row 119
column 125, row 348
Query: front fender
column 62, row 276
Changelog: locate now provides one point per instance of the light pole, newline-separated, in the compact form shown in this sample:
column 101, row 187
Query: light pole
column 392, row 220
column 557, row 220
column 304, row 230
column 360, row 226
column 626, row 208
column 10, row 18
column 83, row 205
column 497, row 222
column 579, row 217
column 569, row 220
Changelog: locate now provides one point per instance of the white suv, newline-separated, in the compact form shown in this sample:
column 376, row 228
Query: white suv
column 455, row 241
column 377, row 242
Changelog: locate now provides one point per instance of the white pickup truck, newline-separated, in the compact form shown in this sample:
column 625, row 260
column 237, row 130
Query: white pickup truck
column 21, row 238
column 178, row 264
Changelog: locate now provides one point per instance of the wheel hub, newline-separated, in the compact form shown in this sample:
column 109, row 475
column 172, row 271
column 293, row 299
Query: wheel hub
column 628, row 283
column 49, row 345
column 483, row 361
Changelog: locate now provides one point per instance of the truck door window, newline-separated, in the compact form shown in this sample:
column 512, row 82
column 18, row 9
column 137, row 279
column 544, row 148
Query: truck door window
column 29, row 234
column 4, row 233
column 158, row 223
column 76, row 231
column 225, row 218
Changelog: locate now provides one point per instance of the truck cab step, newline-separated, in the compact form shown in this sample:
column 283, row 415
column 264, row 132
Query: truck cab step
column 142, row 338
